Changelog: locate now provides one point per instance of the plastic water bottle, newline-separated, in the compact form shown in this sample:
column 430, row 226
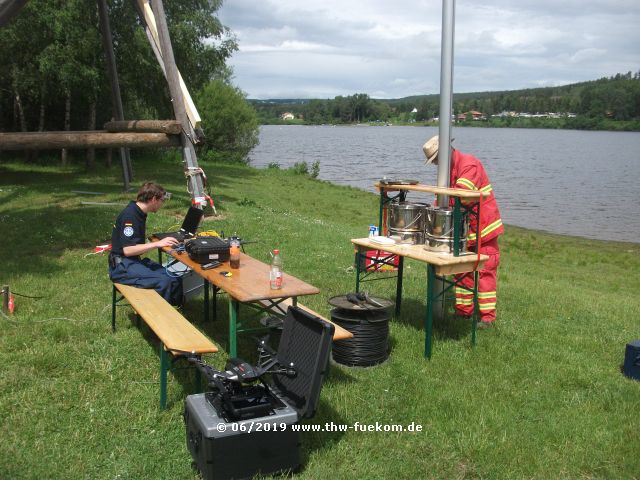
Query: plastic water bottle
column 372, row 230
column 275, row 274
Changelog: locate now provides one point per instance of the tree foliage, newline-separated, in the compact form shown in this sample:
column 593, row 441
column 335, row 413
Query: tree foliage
column 596, row 104
column 51, row 52
column 230, row 123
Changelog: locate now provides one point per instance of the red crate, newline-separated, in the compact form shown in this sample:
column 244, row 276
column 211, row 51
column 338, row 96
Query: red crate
column 372, row 261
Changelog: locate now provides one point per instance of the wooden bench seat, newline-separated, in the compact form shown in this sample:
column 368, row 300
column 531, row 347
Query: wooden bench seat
column 177, row 335
column 339, row 333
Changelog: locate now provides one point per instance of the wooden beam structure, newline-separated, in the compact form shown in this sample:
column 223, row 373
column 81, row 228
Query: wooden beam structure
column 171, row 127
column 93, row 139
column 148, row 17
column 194, row 174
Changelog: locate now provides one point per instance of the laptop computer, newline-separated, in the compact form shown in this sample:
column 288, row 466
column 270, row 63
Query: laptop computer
column 188, row 228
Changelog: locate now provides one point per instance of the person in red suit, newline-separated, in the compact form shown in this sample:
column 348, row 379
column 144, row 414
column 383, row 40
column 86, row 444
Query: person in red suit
column 467, row 172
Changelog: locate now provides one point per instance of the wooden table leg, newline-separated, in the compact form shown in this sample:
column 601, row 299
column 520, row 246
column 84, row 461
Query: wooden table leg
column 233, row 320
column 428, row 321
column 206, row 301
column 399, row 285
column 164, row 368
column 476, row 309
column 357, row 260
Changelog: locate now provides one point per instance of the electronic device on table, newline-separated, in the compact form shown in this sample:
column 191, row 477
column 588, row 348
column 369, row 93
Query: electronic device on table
column 243, row 426
column 189, row 226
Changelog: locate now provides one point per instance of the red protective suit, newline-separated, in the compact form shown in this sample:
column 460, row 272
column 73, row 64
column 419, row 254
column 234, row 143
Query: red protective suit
column 467, row 172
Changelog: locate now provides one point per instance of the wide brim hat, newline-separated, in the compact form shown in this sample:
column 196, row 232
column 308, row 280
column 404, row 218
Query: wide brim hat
column 430, row 149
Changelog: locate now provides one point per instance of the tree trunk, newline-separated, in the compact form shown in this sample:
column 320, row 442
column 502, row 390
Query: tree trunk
column 67, row 127
column 108, row 161
column 23, row 122
column 21, row 117
column 41, row 116
column 91, row 152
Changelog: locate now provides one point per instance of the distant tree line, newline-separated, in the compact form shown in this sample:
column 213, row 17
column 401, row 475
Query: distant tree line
column 596, row 104
column 53, row 74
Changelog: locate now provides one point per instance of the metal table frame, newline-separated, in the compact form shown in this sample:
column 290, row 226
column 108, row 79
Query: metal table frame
column 459, row 210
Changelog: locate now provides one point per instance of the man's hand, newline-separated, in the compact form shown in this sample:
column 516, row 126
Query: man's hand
column 166, row 242
column 142, row 248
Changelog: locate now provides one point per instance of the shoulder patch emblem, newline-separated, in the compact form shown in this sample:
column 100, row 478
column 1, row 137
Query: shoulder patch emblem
column 128, row 231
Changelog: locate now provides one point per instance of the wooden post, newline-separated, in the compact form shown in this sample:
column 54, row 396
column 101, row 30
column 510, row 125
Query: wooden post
column 96, row 139
column 5, row 298
column 116, row 99
column 172, row 127
column 196, row 186
column 148, row 20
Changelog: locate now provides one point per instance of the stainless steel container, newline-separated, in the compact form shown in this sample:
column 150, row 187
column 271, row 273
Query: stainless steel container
column 406, row 222
column 406, row 216
column 406, row 237
column 439, row 230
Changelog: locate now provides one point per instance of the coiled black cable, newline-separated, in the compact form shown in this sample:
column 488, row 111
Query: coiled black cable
column 370, row 343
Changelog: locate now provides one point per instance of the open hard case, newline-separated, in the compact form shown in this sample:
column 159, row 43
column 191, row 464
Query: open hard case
column 238, row 430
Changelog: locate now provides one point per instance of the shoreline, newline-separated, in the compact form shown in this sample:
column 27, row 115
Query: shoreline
column 538, row 231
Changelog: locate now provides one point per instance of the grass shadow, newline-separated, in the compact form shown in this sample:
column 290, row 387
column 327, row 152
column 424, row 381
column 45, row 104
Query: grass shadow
column 451, row 327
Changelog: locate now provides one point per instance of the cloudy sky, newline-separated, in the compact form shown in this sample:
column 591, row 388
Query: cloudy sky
column 391, row 49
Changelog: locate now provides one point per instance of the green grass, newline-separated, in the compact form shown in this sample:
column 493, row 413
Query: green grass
column 541, row 396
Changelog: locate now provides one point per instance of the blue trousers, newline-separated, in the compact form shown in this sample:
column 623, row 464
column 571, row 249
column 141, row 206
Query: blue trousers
column 146, row 273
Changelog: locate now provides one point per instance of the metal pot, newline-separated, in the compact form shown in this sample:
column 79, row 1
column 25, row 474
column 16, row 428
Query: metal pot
column 443, row 244
column 406, row 237
column 406, row 216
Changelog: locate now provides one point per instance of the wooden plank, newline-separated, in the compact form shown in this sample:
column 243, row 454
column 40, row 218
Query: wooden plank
column 444, row 263
column 173, row 330
column 339, row 333
column 94, row 139
column 451, row 192
column 171, row 127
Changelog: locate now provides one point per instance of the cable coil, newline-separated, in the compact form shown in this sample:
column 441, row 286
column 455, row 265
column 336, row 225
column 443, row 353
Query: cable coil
column 370, row 343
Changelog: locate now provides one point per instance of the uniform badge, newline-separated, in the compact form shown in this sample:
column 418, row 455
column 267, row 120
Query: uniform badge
column 128, row 229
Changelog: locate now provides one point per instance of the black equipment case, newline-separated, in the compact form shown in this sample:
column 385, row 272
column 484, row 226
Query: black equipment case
column 207, row 249
column 241, row 444
column 632, row 360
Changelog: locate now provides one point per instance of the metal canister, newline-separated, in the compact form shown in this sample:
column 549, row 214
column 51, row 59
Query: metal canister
column 439, row 230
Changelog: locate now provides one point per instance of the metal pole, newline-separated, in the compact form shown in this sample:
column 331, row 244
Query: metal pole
column 446, row 97
column 5, row 298
column 444, row 129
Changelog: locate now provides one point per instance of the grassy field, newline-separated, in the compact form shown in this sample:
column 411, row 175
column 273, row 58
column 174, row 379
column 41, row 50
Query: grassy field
column 541, row 396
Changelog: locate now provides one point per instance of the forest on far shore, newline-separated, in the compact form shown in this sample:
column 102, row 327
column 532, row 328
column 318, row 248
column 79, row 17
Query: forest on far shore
column 610, row 103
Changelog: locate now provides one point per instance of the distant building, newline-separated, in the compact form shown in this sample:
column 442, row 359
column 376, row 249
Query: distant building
column 287, row 116
column 475, row 115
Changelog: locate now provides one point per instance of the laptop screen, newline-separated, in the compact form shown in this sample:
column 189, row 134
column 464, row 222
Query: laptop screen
column 192, row 220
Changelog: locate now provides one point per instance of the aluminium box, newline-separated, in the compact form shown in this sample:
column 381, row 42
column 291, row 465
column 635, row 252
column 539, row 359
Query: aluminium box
column 224, row 449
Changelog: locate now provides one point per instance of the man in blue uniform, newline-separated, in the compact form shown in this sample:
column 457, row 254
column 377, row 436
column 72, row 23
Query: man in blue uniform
column 128, row 243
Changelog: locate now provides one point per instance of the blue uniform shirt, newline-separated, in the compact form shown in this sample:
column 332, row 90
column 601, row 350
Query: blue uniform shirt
column 129, row 229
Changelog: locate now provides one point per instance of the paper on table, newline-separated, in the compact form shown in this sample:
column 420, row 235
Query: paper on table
column 382, row 240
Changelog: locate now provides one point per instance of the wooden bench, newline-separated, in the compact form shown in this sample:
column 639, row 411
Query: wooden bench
column 339, row 333
column 177, row 335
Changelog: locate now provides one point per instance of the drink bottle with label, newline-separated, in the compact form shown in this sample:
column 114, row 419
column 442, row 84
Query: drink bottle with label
column 275, row 274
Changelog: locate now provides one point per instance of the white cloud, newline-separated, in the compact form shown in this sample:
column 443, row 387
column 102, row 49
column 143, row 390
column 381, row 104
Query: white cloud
column 320, row 49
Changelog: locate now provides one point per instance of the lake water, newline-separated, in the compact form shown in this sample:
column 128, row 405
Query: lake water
column 562, row 181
